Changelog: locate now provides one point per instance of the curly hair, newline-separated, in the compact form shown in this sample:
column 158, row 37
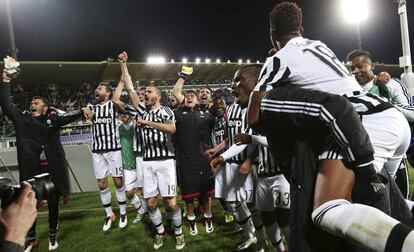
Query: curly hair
column 285, row 18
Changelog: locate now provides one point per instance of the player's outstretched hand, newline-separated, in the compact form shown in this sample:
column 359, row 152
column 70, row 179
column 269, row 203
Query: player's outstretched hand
column 245, row 167
column 242, row 138
column 123, row 57
column 88, row 113
column 186, row 71
column 210, row 153
column 382, row 78
column 215, row 163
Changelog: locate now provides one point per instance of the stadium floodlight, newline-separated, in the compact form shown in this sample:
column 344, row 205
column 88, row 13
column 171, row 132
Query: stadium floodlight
column 228, row 61
column 208, row 60
column 240, row 61
column 355, row 11
column 172, row 61
column 198, row 60
column 258, row 62
column 184, row 60
column 218, row 60
column 156, row 60
column 248, row 61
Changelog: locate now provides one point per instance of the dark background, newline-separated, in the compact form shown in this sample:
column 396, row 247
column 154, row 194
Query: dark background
column 92, row 30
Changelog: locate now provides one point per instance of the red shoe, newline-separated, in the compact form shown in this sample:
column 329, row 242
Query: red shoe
column 30, row 245
column 66, row 199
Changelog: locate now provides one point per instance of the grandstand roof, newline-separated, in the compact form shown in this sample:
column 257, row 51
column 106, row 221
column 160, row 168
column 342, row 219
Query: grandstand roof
column 75, row 72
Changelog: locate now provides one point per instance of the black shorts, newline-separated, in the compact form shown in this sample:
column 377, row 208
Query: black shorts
column 194, row 174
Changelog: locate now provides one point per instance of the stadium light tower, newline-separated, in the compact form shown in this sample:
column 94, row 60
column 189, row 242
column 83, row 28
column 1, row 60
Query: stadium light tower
column 355, row 11
column 13, row 49
column 407, row 77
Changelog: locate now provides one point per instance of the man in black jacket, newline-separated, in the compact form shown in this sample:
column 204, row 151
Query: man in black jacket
column 39, row 150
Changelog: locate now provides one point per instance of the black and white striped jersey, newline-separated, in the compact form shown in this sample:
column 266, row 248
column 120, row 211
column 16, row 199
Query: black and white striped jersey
column 236, row 123
column 311, row 64
column 105, row 136
column 219, row 132
column 267, row 165
column 156, row 144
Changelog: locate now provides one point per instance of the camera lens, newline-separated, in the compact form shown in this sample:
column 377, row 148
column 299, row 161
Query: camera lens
column 42, row 186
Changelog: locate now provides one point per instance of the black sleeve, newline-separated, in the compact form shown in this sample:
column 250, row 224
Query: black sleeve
column 61, row 120
column 6, row 105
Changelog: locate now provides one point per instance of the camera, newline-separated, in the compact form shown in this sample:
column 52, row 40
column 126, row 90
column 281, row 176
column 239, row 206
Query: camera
column 41, row 185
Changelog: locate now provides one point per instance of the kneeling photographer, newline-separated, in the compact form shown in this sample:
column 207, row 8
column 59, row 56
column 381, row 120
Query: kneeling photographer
column 39, row 149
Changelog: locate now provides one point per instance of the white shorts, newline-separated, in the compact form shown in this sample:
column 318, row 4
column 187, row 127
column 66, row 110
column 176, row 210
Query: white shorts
column 160, row 176
column 219, row 190
column 107, row 164
column 130, row 179
column 140, row 174
column 238, row 187
column 390, row 136
column 272, row 192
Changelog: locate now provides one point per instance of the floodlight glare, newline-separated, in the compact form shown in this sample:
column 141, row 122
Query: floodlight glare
column 240, row 61
column 156, row 60
column 248, row 61
column 218, row 60
column 228, row 61
column 355, row 11
column 198, row 60
column 172, row 60
column 208, row 60
column 184, row 60
column 258, row 62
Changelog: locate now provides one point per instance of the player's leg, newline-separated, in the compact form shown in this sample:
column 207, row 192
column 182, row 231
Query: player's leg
column 130, row 182
column 361, row 224
column 140, row 182
column 53, row 207
column 114, row 159
column 100, row 167
column 167, row 176
column 219, row 193
column 234, row 182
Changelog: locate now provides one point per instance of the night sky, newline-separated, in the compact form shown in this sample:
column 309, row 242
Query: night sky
column 93, row 30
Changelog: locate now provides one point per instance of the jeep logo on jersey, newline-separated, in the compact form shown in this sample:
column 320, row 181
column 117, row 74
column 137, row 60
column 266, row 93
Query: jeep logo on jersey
column 235, row 123
column 104, row 120
column 219, row 132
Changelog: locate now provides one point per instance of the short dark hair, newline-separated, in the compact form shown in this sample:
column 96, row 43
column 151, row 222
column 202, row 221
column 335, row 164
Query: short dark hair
column 252, row 69
column 192, row 91
column 108, row 87
column 206, row 87
column 285, row 18
column 357, row 53
column 44, row 100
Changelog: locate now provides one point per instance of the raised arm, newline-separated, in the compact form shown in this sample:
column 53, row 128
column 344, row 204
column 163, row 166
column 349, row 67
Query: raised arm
column 5, row 101
column 116, row 98
column 177, row 91
column 123, row 58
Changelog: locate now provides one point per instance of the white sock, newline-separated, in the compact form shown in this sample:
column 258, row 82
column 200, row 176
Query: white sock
column 364, row 225
column 273, row 232
column 121, row 197
column 177, row 221
column 106, row 201
column 143, row 204
column 136, row 203
column 243, row 218
column 156, row 219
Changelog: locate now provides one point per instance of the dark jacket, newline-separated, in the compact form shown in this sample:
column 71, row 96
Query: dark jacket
column 35, row 134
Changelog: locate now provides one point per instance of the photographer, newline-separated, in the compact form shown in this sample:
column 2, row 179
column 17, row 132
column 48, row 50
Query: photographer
column 16, row 220
column 39, row 149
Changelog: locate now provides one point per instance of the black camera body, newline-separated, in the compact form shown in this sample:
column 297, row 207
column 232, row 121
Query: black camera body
column 41, row 185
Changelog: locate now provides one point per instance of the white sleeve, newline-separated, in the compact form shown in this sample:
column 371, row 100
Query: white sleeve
column 399, row 92
column 233, row 151
column 271, row 73
column 407, row 110
column 262, row 140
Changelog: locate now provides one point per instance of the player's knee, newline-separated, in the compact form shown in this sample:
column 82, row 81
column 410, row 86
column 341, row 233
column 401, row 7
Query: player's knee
column 102, row 184
column 118, row 182
column 129, row 194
